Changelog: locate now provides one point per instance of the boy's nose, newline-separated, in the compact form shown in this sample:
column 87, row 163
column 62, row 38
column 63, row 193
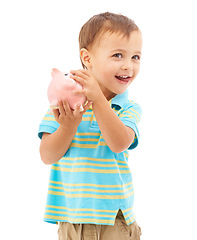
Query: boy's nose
column 127, row 65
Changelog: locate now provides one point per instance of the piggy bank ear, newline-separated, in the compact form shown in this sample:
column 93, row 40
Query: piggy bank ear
column 54, row 71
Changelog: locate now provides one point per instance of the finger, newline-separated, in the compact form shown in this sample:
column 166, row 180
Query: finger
column 61, row 108
column 79, row 92
column 79, row 79
column 77, row 110
column 81, row 73
column 88, row 104
column 56, row 113
column 80, row 76
column 66, row 106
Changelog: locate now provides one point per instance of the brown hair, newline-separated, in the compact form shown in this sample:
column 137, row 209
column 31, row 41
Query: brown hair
column 102, row 23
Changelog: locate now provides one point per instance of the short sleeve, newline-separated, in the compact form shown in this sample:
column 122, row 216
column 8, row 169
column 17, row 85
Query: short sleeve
column 130, row 116
column 48, row 124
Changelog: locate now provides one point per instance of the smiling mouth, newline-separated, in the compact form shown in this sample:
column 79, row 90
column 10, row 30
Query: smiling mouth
column 124, row 79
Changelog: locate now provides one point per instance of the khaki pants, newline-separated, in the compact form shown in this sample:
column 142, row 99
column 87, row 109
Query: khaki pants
column 120, row 231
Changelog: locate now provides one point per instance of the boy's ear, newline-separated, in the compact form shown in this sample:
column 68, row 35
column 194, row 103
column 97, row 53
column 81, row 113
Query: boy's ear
column 85, row 57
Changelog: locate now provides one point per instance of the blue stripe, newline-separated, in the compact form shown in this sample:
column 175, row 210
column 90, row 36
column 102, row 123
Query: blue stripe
column 101, row 159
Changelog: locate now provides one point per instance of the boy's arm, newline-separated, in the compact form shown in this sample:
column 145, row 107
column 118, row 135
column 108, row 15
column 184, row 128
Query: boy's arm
column 54, row 146
column 117, row 136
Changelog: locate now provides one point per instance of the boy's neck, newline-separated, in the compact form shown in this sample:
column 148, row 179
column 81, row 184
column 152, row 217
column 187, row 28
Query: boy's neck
column 108, row 95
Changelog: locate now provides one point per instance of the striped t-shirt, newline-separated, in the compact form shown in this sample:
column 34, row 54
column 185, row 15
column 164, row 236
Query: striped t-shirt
column 90, row 183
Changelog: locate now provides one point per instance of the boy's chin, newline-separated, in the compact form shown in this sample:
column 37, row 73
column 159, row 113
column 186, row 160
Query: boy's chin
column 120, row 91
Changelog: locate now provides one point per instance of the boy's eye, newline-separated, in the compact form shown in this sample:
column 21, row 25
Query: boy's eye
column 117, row 55
column 136, row 57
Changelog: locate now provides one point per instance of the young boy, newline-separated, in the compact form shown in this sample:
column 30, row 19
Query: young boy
column 90, row 188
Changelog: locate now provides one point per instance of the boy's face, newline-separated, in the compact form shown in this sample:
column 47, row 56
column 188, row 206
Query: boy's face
column 115, row 61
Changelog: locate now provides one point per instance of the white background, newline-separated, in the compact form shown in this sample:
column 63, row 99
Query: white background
column 38, row 35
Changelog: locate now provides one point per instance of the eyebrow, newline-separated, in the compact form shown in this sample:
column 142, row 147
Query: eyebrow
column 122, row 50
column 139, row 52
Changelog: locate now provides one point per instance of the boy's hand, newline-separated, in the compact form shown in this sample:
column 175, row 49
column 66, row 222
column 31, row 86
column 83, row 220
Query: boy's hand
column 53, row 146
column 91, row 88
column 66, row 117
column 117, row 136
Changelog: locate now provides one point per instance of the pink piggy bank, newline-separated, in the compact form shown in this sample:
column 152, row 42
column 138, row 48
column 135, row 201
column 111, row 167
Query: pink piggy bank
column 62, row 87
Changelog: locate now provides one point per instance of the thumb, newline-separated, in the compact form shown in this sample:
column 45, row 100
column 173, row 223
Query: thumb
column 88, row 104
column 56, row 113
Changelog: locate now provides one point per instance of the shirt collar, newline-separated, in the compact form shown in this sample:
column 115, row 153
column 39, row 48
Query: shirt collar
column 120, row 99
